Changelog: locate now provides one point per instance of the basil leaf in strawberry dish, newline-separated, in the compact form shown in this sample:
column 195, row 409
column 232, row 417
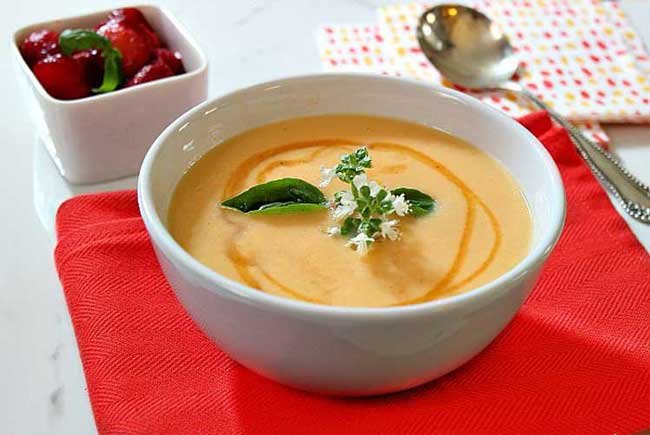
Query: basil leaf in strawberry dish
column 75, row 40
column 283, row 196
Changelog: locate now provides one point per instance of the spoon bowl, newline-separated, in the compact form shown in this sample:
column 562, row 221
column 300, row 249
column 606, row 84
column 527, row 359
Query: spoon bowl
column 466, row 46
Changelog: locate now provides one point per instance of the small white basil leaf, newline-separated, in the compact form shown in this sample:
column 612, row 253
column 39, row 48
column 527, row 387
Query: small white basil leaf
column 420, row 203
column 286, row 194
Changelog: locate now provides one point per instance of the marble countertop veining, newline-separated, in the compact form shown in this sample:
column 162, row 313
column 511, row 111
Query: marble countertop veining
column 42, row 386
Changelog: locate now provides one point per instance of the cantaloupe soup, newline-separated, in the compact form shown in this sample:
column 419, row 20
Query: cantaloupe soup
column 479, row 228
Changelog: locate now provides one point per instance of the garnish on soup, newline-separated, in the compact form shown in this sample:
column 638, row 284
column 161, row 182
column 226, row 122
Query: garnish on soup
column 362, row 213
column 288, row 195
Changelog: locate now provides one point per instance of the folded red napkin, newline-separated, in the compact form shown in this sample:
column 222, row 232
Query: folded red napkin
column 576, row 359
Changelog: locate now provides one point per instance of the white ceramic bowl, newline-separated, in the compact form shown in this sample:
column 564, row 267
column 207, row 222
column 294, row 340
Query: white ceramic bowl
column 106, row 136
column 335, row 350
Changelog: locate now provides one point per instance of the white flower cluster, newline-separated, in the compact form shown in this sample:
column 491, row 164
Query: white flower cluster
column 364, row 211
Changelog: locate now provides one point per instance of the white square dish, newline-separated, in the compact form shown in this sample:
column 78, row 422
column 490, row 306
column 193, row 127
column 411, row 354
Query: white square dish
column 106, row 136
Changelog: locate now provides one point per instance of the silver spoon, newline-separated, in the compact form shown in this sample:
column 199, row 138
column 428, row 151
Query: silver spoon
column 471, row 51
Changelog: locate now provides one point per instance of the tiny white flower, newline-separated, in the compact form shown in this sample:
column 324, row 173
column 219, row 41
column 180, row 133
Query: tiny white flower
column 326, row 175
column 343, row 211
column 333, row 231
column 361, row 242
column 374, row 188
column 400, row 205
column 347, row 199
column 389, row 229
column 360, row 180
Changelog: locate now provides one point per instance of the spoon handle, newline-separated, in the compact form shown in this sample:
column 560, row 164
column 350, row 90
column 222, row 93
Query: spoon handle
column 632, row 194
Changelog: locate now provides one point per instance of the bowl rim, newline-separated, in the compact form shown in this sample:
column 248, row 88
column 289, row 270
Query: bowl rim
column 165, row 242
column 200, row 69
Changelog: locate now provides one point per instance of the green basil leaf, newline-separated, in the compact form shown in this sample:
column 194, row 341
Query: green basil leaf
column 353, row 164
column 421, row 203
column 75, row 40
column 350, row 226
column 288, row 208
column 112, row 71
column 283, row 196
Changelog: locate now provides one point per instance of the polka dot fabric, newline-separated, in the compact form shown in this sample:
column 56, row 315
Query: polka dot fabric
column 581, row 56
column 346, row 48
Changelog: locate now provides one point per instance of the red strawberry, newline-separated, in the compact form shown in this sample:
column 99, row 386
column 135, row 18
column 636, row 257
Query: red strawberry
column 92, row 63
column 147, row 31
column 173, row 59
column 135, row 48
column 62, row 77
column 130, row 16
column 38, row 45
column 133, row 18
column 158, row 69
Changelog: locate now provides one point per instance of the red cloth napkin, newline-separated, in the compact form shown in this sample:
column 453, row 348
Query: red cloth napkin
column 576, row 359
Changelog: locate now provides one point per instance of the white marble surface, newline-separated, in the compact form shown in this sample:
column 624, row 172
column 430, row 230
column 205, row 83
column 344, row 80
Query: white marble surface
column 42, row 387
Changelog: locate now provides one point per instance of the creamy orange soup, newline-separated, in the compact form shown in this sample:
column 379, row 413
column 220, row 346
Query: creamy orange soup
column 480, row 229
